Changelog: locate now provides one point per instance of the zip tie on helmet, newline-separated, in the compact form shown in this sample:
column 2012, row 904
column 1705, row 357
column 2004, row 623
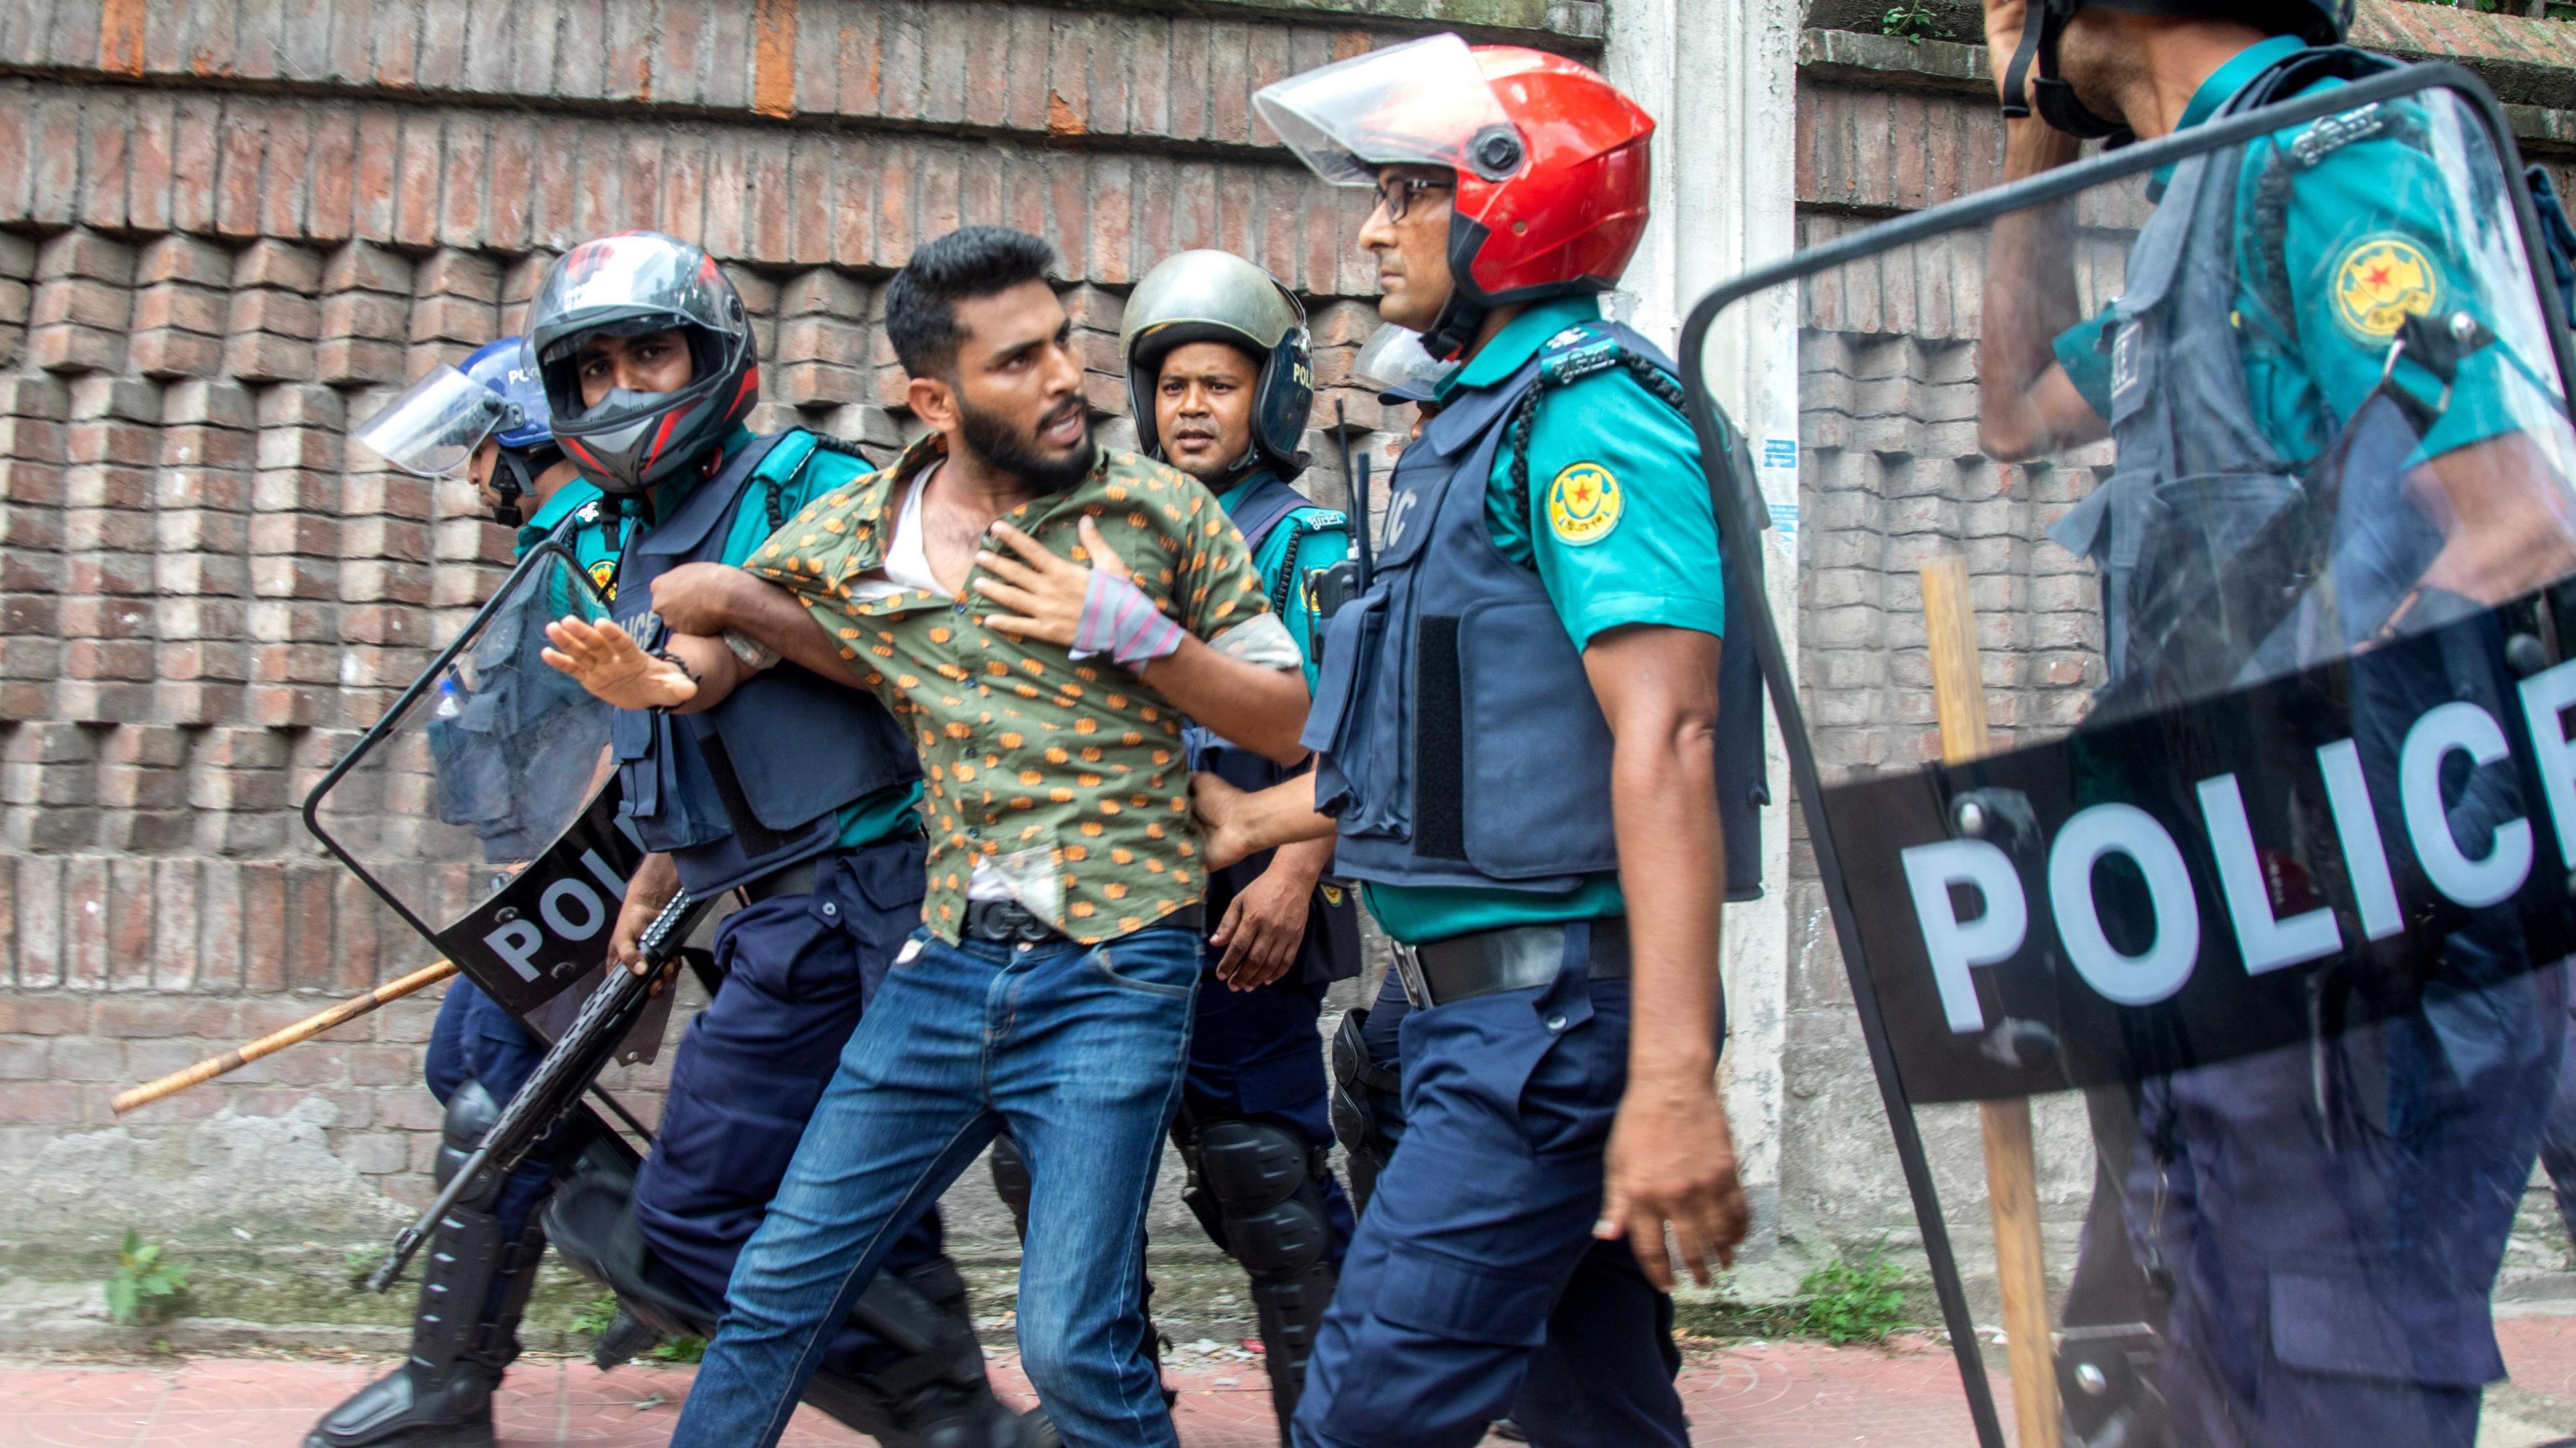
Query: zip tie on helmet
column 1120, row 621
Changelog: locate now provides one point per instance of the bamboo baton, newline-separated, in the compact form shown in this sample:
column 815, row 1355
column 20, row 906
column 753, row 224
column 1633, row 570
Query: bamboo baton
column 2012, row 1172
column 275, row 1041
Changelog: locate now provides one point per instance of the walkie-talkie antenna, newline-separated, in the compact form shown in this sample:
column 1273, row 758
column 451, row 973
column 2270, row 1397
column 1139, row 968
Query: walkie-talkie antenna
column 1355, row 471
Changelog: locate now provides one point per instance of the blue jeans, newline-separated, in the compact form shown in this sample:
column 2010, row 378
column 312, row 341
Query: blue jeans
column 1079, row 1052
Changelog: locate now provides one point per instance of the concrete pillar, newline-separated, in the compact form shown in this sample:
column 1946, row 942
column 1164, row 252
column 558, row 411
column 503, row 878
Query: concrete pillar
column 1720, row 78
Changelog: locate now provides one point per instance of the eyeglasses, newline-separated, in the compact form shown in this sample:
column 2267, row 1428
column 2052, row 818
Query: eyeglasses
column 1395, row 196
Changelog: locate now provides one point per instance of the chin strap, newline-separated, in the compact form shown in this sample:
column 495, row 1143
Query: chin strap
column 2032, row 87
column 1456, row 326
column 516, row 478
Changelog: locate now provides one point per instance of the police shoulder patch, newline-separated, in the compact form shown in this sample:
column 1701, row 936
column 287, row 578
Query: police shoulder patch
column 2380, row 282
column 1584, row 503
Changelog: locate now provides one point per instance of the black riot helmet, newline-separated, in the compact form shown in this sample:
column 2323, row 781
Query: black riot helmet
column 1216, row 296
column 2032, row 86
column 628, row 285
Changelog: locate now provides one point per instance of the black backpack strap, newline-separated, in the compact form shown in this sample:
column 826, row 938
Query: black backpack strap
column 1269, row 501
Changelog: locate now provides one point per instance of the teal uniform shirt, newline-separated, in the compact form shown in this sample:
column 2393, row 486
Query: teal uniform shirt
column 2366, row 238
column 1621, row 531
column 803, row 471
column 594, row 543
column 1321, row 538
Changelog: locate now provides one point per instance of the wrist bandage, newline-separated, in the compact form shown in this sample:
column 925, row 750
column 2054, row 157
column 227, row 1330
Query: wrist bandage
column 1120, row 621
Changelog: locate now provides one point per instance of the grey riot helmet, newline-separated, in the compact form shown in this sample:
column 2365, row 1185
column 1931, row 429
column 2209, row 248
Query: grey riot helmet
column 1216, row 296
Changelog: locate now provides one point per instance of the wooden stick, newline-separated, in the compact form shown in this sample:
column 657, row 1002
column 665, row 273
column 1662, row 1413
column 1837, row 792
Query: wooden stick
column 275, row 1041
column 2012, row 1173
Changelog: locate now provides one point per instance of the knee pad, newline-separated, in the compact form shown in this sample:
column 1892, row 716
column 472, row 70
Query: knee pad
column 1011, row 1183
column 1264, row 1182
column 1359, row 1119
column 471, row 1111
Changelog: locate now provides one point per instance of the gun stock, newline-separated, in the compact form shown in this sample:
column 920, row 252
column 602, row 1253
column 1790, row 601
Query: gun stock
column 555, row 1088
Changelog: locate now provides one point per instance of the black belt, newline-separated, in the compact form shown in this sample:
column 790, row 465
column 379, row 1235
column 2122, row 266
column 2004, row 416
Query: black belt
column 1008, row 922
column 795, row 879
column 1516, row 958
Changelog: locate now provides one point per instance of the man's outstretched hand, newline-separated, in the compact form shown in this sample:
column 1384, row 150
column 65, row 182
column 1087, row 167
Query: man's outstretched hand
column 604, row 660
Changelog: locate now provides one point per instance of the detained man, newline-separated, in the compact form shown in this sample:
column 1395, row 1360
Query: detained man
column 1042, row 613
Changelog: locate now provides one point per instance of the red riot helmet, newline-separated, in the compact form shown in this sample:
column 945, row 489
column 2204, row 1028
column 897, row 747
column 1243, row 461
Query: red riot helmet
column 1550, row 162
column 627, row 285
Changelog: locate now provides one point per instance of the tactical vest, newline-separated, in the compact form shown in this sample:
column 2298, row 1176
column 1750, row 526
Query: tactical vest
column 755, row 783
column 1463, row 745
column 1331, row 949
column 2208, row 538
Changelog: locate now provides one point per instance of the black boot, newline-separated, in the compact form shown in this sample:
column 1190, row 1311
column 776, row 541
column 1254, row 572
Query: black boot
column 442, row 1396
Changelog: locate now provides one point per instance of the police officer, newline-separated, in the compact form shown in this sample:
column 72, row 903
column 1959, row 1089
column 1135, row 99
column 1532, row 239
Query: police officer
column 489, row 416
column 2311, row 322
column 1523, row 731
column 799, row 793
column 1220, row 376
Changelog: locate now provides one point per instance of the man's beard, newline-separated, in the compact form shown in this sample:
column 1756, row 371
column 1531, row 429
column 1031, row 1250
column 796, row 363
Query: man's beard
column 1016, row 452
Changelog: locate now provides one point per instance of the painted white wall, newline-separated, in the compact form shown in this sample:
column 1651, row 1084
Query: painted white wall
column 1720, row 78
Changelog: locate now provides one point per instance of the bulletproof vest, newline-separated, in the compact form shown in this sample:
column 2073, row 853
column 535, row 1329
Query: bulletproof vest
column 2208, row 538
column 1330, row 951
column 1463, row 745
column 756, row 782
column 500, row 747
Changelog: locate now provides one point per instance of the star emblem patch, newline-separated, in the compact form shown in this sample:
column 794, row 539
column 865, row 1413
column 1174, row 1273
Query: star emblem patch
column 2381, row 282
column 1583, row 504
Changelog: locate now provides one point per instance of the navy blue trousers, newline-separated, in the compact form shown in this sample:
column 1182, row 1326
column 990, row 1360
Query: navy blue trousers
column 1256, row 1055
column 474, row 1039
column 798, row 970
column 1474, row 1287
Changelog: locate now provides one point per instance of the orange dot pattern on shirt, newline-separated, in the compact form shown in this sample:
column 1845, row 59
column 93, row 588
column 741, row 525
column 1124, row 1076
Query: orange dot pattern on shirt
column 1024, row 748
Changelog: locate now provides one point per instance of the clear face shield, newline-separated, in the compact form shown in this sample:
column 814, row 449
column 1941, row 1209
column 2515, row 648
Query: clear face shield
column 1393, row 359
column 2181, row 709
column 1423, row 103
column 437, row 423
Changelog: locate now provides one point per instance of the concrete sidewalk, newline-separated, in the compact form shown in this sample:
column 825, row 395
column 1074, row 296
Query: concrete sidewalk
column 1744, row 1395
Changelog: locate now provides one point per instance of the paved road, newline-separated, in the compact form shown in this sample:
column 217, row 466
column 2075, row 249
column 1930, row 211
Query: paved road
column 1752, row 1395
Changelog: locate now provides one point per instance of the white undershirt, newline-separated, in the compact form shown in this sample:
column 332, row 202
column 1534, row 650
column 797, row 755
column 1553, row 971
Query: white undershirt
column 907, row 567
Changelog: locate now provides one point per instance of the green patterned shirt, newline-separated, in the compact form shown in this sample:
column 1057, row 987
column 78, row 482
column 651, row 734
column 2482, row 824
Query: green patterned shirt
column 1068, row 777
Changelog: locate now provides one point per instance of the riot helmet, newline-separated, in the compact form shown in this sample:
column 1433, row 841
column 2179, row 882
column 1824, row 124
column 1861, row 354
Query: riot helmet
column 1549, row 161
column 2033, row 86
column 628, row 285
column 436, row 424
column 1216, row 296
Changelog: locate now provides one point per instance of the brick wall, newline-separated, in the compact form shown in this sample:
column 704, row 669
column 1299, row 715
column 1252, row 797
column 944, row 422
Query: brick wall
column 230, row 229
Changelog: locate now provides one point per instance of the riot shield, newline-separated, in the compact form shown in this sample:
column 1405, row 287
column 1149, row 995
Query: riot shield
column 2184, row 648
column 483, row 806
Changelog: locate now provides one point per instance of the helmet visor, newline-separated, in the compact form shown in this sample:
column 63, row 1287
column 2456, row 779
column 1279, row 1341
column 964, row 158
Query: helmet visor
column 1423, row 103
column 436, row 424
column 629, row 283
column 1393, row 362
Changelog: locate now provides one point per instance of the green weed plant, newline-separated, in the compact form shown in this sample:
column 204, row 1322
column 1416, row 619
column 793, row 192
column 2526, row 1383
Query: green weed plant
column 145, row 1285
